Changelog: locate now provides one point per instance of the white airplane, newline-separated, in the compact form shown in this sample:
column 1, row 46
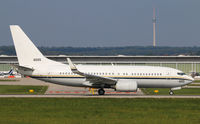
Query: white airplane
column 121, row 78
column 7, row 73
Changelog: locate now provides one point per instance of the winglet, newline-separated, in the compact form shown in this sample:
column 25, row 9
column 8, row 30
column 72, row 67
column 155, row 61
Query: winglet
column 71, row 65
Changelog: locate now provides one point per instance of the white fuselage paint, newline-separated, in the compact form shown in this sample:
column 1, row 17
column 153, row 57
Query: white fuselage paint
column 145, row 76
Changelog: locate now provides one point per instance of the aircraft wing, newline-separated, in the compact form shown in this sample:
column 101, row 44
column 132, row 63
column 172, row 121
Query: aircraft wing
column 94, row 79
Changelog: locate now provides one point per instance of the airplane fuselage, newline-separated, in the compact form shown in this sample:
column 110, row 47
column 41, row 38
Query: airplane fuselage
column 145, row 76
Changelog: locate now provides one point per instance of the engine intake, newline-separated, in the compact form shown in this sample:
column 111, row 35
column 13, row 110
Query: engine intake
column 126, row 85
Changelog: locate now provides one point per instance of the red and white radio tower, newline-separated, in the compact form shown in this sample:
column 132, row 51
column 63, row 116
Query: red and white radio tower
column 154, row 27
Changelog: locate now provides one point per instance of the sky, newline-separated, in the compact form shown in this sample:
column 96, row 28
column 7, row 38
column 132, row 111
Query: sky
column 100, row 23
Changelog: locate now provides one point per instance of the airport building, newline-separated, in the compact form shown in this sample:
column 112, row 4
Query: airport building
column 187, row 64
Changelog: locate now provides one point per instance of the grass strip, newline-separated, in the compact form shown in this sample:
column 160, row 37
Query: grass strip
column 196, row 81
column 8, row 80
column 194, row 84
column 98, row 111
column 22, row 89
column 165, row 91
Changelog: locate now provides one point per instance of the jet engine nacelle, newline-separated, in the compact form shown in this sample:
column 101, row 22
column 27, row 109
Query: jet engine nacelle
column 126, row 85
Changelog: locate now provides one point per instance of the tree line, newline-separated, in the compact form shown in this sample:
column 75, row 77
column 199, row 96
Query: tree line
column 107, row 51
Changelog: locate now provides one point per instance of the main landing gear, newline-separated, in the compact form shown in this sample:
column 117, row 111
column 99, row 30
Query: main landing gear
column 171, row 92
column 101, row 91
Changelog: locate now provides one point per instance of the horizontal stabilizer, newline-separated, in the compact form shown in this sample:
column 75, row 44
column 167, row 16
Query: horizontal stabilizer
column 23, row 68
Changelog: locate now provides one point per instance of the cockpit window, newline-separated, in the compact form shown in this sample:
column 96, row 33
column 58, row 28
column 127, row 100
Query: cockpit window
column 181, row 73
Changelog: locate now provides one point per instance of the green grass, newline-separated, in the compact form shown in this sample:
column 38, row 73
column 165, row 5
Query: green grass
column 98, row 111
column 8, row 80
column 197, row 84
column 22, row 89
column 196, row 81
column 165, row 91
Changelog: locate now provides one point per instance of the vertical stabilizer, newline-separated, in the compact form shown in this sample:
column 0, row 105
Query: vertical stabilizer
column 27, row 53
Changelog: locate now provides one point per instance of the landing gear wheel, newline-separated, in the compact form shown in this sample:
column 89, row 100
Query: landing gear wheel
column 171, row 92
column 101, row 91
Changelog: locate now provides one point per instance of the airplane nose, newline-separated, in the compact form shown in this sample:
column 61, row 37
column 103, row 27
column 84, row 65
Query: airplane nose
column 190, row 78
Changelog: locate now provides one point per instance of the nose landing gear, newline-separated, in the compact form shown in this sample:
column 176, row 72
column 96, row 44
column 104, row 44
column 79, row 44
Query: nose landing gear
column 101, row 91
column 171, row 92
